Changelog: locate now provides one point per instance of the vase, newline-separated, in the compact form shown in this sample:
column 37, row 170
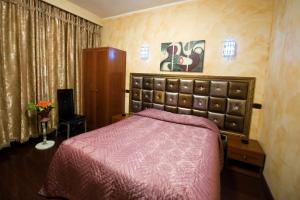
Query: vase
column 44, row 114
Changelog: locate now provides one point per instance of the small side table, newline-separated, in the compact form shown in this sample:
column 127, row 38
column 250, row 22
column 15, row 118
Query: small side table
column 118, row 117
column 45, row 144
column 248, row 158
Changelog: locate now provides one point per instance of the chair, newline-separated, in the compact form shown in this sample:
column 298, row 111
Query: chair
column 66, row 114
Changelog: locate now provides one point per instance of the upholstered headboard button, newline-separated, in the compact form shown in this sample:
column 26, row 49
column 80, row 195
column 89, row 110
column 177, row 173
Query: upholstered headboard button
column 238, row 90
column 136, row 106
column 236, row 107
column 148, row 83
column 234, row 123
column 186, row 86
column 172, row 109
column 158, row 106
column 147, row 105
column 200, row 102
column 200, row 113
column 217, row 118
column 171, row 98
column 217, row 104
column 185, row 111
column 136, row 94
column 201, row 87
column 137, row 82
column 148, row 96
column 172, row 85
column 185, row 100
column 218, row 88
column 159, row 84
column 159, row 97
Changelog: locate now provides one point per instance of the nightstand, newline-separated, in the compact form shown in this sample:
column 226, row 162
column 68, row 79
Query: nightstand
column 118, row 117
column 248, row 158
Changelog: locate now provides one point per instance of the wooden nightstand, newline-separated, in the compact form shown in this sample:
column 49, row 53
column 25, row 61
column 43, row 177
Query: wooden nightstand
column 248, row 158
column 118, row 117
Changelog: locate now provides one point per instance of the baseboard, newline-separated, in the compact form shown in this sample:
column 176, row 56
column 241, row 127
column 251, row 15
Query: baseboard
column 266, row 189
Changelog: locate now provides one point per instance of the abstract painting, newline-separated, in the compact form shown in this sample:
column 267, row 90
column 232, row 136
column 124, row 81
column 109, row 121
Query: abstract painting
column 182, row 56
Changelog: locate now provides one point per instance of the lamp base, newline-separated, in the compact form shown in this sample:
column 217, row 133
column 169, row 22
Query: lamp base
column 45, row 145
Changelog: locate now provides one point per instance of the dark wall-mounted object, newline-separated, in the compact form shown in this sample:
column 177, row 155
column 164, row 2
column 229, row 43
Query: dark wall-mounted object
column 257, row 106
column 227, row 101
column 104, row 85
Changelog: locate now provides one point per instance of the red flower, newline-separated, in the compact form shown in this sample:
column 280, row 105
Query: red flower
column 41, row 106
column 44, row 103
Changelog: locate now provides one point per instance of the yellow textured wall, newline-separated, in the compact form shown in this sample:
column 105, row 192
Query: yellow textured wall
column 248, row 22
column 281, row 130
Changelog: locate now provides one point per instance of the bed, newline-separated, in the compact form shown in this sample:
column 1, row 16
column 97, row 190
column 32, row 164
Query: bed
column 153, row 154
column 169, row 149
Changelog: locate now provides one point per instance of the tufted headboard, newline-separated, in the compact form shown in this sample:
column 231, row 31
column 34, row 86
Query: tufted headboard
column 225, row 100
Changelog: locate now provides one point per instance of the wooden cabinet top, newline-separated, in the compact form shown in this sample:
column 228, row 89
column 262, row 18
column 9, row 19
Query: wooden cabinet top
column 252, row 146
column 102, row 49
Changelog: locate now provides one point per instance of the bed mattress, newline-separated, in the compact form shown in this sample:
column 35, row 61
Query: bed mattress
column 152, row 155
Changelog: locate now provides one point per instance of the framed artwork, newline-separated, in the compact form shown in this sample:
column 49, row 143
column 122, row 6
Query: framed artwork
column 182, row 56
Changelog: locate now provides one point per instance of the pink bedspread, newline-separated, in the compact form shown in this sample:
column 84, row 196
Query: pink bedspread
column 151, row 155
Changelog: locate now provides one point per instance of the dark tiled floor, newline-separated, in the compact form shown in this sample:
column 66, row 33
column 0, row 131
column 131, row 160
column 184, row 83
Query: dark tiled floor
column 23, row 169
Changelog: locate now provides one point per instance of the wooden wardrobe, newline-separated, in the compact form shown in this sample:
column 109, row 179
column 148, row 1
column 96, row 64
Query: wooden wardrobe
column 104, row 85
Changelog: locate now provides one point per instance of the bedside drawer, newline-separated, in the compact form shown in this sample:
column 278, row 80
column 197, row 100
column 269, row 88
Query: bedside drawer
column 247, row 157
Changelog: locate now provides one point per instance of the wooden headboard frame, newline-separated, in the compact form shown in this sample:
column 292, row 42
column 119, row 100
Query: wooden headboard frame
column 225, row 100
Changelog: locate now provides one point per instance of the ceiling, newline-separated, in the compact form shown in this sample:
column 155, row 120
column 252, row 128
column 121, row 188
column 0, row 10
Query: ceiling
column 110, row 8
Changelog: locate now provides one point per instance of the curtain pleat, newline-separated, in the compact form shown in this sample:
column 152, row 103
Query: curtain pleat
column 40, row 52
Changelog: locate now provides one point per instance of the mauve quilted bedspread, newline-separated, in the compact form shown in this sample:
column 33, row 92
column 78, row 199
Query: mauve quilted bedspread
column 151, row 155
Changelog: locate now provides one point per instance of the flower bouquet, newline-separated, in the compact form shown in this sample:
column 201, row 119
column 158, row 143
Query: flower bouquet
column 42, row 107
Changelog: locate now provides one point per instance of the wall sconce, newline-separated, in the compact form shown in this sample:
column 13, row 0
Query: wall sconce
column 229, row 48
column 144, row 52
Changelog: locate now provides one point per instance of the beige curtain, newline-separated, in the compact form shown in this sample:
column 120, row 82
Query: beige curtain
column 40, row 52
